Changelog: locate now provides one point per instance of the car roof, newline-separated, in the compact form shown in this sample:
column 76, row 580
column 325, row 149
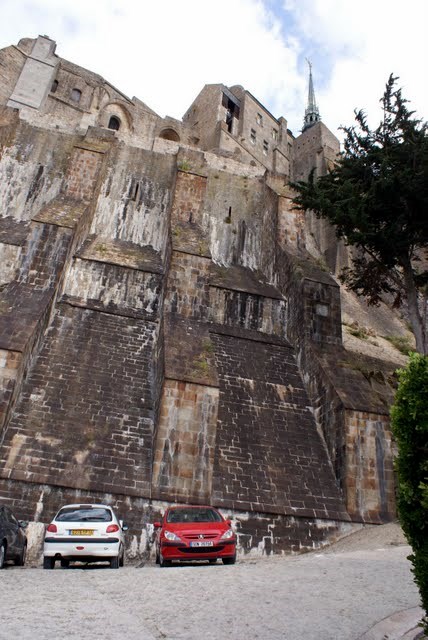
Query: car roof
column 86, row 505
column 192, row 506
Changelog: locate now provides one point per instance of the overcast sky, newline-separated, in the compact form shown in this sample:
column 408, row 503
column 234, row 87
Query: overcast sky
column 164, row 51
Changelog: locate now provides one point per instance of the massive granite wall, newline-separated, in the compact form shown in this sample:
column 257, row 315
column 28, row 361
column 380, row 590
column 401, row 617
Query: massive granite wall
column 159, row 333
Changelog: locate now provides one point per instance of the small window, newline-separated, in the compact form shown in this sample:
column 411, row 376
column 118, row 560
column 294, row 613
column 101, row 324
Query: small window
column 54, row 86
column 259, row 119
column 265, row 147
column 322, row 310
column 253, row 136
column 275, row 134
column 114, row 123
column 76, row 94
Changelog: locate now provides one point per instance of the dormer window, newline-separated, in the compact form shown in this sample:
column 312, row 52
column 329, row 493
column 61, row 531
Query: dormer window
column 114, row 123
column 76, row 94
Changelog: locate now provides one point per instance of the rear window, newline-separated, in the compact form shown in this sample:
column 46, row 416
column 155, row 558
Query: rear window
column 84, row 514
column 193, row 515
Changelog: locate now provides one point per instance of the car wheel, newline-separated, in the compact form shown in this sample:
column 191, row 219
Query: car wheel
column 20, row 560
column 114, row 562
column 163, row 562
column 229, row 560
column 65, row 563
column 122, row 558
column 212, row 560
column 2, row 554
column 48, row 562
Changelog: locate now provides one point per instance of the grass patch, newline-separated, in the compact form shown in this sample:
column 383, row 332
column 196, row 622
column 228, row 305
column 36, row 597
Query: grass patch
column 362, row 333
column 184, row 165
column 401, row 343
column 358, row 332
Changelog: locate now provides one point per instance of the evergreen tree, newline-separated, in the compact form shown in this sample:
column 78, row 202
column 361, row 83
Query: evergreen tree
column 410, row 428
column 377, row 198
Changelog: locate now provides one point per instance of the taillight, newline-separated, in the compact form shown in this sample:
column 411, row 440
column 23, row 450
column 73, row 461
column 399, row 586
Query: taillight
column 112, row 528
column 52, row 528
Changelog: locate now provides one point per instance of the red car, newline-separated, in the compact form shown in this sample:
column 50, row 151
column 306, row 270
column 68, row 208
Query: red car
column 194, row 533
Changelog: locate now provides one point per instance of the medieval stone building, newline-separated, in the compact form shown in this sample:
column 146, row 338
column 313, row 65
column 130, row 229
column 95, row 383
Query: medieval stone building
column 167, row 333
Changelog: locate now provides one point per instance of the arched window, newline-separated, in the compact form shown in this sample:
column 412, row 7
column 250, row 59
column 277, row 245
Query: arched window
column 76, row 94
column 114, row 123
column 169, row 134
column 54, row 86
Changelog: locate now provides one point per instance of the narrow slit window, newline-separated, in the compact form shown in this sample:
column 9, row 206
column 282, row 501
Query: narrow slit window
column 54, row 86
column 253, row 136
column 265, row 147
column 259, row 119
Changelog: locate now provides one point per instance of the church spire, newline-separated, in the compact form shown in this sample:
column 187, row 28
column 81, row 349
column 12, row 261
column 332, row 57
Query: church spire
column 311, row 112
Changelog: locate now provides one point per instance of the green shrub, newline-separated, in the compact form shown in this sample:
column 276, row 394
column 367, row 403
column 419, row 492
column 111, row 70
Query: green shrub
column 410, row 427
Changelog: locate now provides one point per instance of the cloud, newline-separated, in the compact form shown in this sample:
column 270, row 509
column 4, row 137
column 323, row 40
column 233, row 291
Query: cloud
column 165, row 52
column 364, row 42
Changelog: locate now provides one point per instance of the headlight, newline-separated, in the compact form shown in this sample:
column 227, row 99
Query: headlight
column 227, row 535
column 169, row 535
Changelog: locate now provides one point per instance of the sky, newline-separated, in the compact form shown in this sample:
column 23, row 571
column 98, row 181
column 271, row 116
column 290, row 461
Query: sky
column 164, row 51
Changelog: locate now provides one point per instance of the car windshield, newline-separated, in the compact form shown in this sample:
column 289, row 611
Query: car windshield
column 84, row 514
column 193, row 515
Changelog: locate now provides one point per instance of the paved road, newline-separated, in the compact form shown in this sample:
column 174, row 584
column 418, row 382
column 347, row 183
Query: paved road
column 333, row 595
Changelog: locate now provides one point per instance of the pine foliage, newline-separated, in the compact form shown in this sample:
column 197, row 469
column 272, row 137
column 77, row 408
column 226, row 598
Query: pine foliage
column 377, row 198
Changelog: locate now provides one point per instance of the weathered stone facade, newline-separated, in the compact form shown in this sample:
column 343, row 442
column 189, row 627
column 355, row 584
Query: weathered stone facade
column 165, row 334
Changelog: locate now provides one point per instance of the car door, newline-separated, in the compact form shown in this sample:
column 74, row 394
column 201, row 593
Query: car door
column 12, row 533
column 4, row 528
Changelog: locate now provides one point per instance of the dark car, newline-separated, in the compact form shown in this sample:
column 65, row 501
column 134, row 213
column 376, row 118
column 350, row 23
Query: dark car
column 194, row 533
column 13, row 541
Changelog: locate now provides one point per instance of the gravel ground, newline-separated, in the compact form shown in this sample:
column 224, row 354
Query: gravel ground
column 336, row 594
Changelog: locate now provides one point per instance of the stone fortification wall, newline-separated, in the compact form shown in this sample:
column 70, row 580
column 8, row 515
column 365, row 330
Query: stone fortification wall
column 12, row 60
column 85, row 414
column 165, row 335
column 267, row 444
column 340, row 386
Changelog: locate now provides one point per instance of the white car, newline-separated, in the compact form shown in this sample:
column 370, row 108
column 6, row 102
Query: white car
column 86, row 533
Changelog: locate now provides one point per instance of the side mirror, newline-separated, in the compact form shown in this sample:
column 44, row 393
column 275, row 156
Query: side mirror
column 229, row 522
column 23, row 524
column 157, row 525
column 124, row 526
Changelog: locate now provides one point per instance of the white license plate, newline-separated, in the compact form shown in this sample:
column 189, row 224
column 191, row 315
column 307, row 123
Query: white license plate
column 202, row 543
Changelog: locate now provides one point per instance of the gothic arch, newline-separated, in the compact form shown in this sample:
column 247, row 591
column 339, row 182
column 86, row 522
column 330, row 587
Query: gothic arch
column 114, row 109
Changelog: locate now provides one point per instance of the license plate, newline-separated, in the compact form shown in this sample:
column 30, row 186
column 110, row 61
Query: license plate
column 202, row 543
column 82, row 532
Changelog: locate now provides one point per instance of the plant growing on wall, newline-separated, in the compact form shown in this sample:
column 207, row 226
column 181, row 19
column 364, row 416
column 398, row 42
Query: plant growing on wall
column 377, row 198
column 410, row 427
